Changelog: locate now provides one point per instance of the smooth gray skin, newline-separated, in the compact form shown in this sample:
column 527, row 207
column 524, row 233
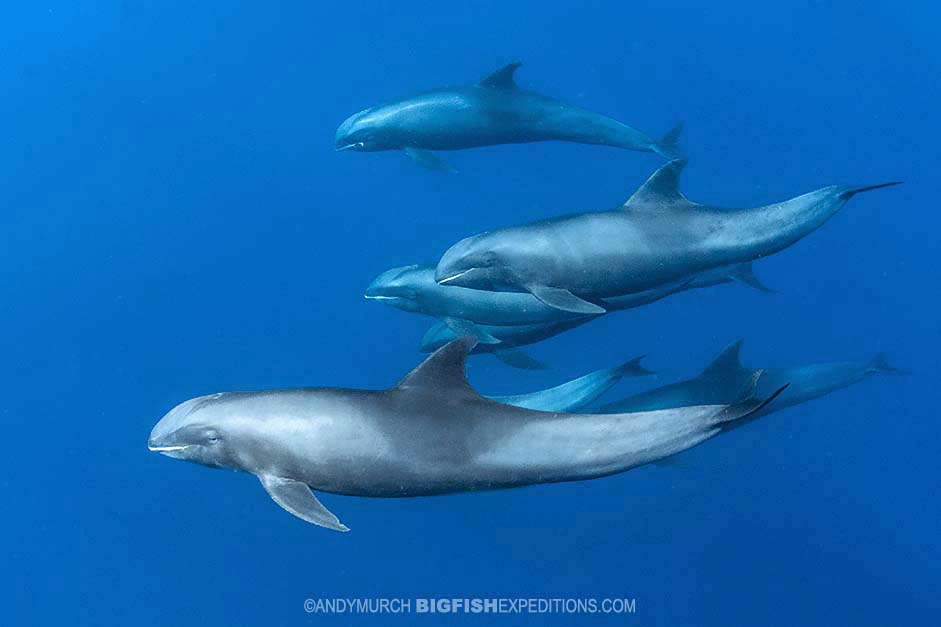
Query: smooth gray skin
column 656, row 238
column 578, row 393
column 413, row 289
column 722, row 382
column 430, row 434
column 493, row 111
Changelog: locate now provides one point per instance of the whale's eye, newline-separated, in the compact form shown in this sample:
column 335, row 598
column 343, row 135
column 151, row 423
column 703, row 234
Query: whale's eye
column 212, row 437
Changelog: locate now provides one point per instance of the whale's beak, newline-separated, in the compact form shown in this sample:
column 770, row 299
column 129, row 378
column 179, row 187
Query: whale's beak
column 353, row 146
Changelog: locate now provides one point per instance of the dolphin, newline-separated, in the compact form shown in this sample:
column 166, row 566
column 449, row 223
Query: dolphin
column 407, row 289
column 723, row 379
column 413, row 289
column 573, row 263
column 578, row 393
column 430, row 434
column 492, row 111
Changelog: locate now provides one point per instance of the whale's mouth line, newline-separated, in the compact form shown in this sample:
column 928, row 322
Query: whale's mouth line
column 453, row 277
column 377, row 297
column 351, row 146
column 166, row 449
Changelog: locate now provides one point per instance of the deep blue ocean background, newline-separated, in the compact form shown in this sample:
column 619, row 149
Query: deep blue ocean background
column 176, row 222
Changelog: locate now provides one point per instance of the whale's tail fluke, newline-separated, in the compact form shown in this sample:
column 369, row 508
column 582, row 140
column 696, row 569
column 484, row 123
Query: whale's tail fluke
column 669, row 145
column 852, row 191
column 881, row 363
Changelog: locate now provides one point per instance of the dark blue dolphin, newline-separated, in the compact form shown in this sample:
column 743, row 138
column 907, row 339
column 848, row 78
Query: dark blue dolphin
column 504, row 321
column 493, row 111
column 725, row 378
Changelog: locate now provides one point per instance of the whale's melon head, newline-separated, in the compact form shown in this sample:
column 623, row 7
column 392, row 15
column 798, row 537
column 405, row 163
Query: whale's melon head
column 365, row 132
column 402, row 287
column 202, row 430
column 484, row 261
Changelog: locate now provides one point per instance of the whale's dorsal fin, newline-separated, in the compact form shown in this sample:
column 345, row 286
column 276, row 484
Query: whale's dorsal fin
column 662, row 188
column 444, row 370
column 503, row 77
column 728, row 363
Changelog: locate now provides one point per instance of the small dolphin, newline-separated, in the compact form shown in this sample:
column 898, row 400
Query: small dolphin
column 723, row 379
column 493, row 111
column 413, row 289
column 578, row 393
column 430, row 434
column 658, row 237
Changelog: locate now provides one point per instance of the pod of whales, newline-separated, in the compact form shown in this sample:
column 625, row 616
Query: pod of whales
column 430, row 434
column 574, row 263
column 492, row 111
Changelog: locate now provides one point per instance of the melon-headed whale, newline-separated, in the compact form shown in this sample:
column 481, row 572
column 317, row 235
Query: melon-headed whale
column 722, row 380
column 493, row 111
column 430, row 434
column 414, row 289
column 574, row 263
column 504, row 321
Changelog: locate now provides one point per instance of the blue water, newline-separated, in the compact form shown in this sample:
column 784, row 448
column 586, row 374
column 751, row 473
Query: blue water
column 176, row 222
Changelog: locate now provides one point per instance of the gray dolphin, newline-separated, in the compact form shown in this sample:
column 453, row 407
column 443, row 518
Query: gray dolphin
column 722, row 381
column 413, row 288
column 430, row 434
column 658, row 237
column 493, row 111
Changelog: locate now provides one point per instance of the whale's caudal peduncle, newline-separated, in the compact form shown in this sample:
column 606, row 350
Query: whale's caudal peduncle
column 430, row 434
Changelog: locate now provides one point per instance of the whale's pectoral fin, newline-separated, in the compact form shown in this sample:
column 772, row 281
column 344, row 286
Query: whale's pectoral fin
column 519, row 359
column 296, row 498
column 429, row 160
column 503, row 77
column 462, row 327
column 745, row 274
column 563, row 299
